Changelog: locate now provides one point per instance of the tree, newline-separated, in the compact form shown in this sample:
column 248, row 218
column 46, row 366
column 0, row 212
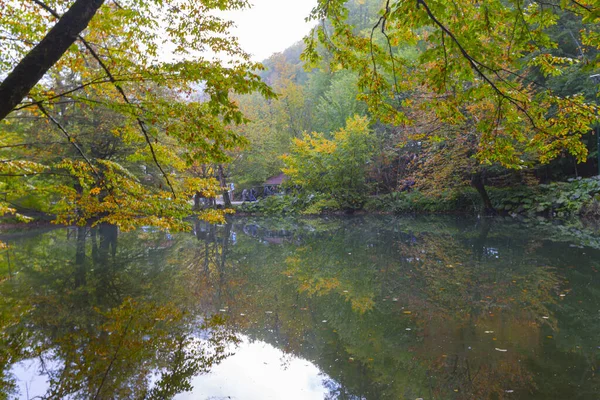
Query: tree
column 273, row 123
column 473, row 61
column 336, row 167
column 148, row 64
column 45, row 54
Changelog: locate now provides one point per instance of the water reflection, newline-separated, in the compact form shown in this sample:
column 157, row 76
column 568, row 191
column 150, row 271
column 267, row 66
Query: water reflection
column 373, row 308
column 94, row 315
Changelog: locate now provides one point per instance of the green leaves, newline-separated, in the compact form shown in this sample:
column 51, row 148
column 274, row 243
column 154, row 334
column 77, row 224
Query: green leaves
column 471, row 66
column 338, row 167
column 138, row 99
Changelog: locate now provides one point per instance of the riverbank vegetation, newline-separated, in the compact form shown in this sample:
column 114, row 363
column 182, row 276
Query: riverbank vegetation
column 386, row 106
column 453, row 128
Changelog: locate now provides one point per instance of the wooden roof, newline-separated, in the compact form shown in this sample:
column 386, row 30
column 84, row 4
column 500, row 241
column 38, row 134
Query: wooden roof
column 275, row 180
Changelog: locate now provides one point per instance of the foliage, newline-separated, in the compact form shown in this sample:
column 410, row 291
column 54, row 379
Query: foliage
column 336, row 167
column 290, row 205
column 557, row 199
column 472, row 65
column 465, row 200
column 112, row 131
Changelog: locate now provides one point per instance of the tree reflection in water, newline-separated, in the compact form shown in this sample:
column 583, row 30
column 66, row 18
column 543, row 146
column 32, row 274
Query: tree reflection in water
column 110, row 319
column 430, row 308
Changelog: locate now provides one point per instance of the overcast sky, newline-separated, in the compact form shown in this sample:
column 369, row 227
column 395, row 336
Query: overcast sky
column 271, row 26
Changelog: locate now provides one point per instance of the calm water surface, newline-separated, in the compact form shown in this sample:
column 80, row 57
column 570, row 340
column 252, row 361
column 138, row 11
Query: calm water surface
column 353, row 308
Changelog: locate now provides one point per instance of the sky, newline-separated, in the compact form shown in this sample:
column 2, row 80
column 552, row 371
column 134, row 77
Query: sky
column 259, row 371
column 271, row 26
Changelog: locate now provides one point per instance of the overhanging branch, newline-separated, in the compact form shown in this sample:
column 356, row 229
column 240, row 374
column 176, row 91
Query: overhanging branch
column 45, row 54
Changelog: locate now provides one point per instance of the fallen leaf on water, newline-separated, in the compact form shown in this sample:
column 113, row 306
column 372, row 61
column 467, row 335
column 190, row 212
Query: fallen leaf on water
column 407, row 312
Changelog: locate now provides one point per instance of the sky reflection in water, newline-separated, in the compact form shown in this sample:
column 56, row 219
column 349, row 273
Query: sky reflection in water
column 364, row 307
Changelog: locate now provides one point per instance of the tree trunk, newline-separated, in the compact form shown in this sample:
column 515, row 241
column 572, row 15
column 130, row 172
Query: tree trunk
column 45, row 54
column 226, row 199
column 80, row 267
column 477, row 183
column 197, row 201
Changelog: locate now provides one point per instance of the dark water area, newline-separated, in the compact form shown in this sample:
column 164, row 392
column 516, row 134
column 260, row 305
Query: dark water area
column 330, row 308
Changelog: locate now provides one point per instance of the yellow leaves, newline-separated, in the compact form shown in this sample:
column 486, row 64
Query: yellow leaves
column 164, row 154
column 214, row 216
column 362, row 304
column 6, row 209
column 590, row 38
column 207, row 187
column 319, row 286
column 550, row 65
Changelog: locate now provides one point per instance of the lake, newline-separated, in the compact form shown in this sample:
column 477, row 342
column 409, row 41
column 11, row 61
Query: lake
column 364, row 307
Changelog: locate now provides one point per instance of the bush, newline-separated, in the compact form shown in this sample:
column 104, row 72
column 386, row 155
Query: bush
column 466, row 200
column 335, row 168
column 286, row 205
column 557, row 199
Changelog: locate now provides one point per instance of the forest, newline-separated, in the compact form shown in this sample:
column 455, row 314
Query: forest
column 139, row 113
column 178, row 220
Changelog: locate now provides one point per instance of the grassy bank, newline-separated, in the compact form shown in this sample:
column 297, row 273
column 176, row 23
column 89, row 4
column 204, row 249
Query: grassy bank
column 575, row 198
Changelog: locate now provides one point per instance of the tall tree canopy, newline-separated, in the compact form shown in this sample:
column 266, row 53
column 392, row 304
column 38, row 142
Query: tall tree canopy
column 151, row 71
column 478, row 63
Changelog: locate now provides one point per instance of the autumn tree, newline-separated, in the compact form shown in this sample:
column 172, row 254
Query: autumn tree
column 154, row 66
column 335, row 167
column 475, row 59
column 273, row 123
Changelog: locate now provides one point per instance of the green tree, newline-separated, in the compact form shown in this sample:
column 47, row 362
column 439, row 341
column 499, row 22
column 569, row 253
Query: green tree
column 337, row 167
column 143, row 63
column 472, row 60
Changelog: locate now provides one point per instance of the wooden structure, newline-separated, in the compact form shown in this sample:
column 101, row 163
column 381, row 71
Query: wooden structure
column 273, row 184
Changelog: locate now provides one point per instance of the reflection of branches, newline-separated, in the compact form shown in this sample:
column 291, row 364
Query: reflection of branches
column 114, row 357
